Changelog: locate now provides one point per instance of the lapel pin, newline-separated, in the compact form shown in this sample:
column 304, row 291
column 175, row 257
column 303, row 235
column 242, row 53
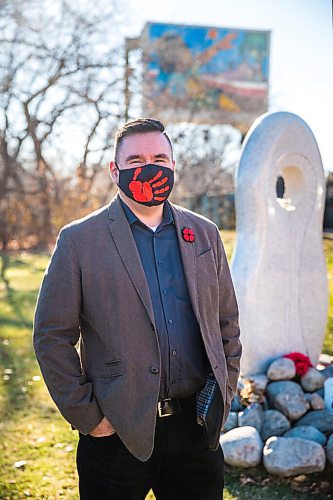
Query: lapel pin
column 188, row 234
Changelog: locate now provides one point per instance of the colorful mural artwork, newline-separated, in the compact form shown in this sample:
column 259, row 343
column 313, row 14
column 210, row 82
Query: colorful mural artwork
column 205, row 74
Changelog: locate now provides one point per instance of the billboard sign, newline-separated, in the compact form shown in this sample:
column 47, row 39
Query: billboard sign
column 204, row 74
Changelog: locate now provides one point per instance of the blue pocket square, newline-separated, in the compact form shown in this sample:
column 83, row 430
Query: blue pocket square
column 204, row 399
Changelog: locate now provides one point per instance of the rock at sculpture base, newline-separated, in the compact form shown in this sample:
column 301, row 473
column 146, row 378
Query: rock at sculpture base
column 252, row 416
column 315, row 400
column 321, row 419
column 236, row 404
column 281, row 369
column 275, row 424
column 307, row 432
column 242, row 447
column 292, row 456
column 329, row 449
column 231, row 422
column 287, row 397
column 312, row 380
column 327, row 372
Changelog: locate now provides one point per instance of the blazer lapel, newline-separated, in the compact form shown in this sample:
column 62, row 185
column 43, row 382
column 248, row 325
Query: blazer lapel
column 187, row 251
column 124, row 241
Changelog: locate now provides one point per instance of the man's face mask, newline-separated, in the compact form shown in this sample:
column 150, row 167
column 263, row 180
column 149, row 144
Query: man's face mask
column 149, row 185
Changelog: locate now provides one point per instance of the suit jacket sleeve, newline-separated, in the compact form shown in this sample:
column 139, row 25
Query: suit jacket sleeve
column 229, row 319
column 57, row 331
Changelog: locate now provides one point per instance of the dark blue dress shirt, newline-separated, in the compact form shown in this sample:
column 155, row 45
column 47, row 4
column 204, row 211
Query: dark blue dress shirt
column 183, row 354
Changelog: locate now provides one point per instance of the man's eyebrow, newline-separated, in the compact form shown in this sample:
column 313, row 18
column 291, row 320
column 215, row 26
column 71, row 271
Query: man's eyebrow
column 138, row 156
column 162, row 155
column 132, row 157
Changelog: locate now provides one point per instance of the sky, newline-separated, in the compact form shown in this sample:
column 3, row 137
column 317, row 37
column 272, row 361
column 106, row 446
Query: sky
column 301, row 52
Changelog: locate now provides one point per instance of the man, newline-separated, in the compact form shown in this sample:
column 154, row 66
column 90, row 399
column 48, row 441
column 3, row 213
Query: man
column 145, row 288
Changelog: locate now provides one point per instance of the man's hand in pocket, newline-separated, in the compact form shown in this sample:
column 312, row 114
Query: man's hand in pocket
column 104, row 428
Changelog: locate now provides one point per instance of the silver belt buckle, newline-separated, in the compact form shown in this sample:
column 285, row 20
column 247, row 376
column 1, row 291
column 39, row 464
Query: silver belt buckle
column 164, row 408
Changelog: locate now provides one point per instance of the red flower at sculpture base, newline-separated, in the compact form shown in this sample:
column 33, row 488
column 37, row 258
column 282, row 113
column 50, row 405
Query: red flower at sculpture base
column 301, row 361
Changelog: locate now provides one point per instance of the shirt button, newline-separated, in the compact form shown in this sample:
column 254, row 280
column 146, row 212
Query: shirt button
column 174, row 352
column 160, row 263
column 164, row 292
column 154, row 370
column 170, row 321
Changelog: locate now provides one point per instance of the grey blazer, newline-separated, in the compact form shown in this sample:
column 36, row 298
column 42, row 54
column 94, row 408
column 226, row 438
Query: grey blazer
column 95, row 292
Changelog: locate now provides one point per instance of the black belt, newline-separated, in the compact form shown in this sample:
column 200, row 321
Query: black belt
column 173, row 406
column 167, row 407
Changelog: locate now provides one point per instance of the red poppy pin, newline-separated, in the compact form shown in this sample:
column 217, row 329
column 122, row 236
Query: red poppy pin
column 188, row 234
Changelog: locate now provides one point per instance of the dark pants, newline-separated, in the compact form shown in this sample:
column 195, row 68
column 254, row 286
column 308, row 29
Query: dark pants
column 181, row 466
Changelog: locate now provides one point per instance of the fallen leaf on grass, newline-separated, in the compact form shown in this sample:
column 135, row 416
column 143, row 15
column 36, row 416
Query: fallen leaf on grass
column 247, row 480
column 299, row 479
column 20, row 464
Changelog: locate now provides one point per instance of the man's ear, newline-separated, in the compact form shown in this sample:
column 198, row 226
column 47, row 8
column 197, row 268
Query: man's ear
column 113, row 172
column 174, row 169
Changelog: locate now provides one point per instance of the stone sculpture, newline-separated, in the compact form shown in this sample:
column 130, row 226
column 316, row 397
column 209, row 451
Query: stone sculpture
column 278, row 266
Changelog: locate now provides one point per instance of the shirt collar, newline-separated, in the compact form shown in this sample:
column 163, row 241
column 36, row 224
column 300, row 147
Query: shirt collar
column 131, row 217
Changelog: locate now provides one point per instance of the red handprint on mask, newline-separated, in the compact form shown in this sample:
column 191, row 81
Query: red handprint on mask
column 145, row 191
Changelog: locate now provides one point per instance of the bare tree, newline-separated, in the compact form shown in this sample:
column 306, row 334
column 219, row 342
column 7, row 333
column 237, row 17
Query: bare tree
column 206, row 158
column 61, row 77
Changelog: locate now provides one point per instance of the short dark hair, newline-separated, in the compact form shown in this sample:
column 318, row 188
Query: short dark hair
column 139, row 126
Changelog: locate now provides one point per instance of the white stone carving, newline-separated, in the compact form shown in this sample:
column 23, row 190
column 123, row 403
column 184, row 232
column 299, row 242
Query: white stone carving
column 278, row 266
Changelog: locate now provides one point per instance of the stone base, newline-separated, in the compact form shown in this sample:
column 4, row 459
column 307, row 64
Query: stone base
column 279, row 418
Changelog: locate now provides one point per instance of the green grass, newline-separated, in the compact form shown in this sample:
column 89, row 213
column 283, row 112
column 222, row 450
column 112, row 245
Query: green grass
column 32, row 429
column 328, row 344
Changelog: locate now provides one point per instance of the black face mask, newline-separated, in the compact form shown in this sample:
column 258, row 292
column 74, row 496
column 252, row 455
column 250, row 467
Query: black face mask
column 148, row 185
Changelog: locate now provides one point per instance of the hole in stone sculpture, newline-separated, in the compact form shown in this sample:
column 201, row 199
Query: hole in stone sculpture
column 290, row 187
column 280, row 187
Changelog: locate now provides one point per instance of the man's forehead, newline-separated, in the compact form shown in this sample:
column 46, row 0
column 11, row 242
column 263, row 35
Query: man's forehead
column 147, row 143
